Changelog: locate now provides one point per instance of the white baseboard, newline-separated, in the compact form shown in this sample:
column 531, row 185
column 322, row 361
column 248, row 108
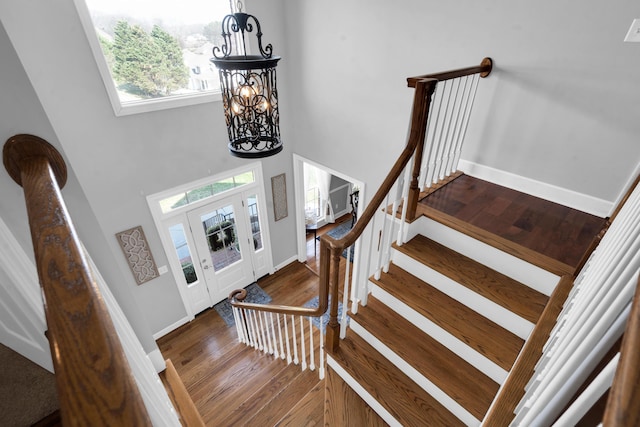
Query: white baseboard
column 157, row 360
column 170, row 328
column 572, row 199
column 286, row 262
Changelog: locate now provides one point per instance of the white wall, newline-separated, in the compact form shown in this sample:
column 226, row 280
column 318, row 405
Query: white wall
column 561, row 106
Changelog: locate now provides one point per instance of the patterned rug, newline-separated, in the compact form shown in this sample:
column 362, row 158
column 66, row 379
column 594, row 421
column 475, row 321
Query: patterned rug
column 255, row 294
column 340, row 231
column 313, row 302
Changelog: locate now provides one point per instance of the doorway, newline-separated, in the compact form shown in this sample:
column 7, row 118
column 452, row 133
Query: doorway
column 319, row 207
column 215, row 235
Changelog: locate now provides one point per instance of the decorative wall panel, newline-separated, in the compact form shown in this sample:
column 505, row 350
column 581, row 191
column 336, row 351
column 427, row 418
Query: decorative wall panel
column 136, row 251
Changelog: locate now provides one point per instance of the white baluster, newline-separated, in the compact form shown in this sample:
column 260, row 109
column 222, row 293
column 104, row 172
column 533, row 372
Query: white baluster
column 449, row 146
column 474, row 84
column 602, row 292
column 282, row 355
column 286, row 337
column 439, row 143
column 321, row 372
column 264, row 323
column 590, row 396
column 295, row 344
column 312, row 362
column 432, row 130
column 383, row 248
column 234, row 311
column 364, row 283
column 275, row 338
column 302, row 344
column 405, row 200
column 392, row 221
column 345, row 303
column 459, row 127
column 245, row 327
column 252, row 338
column 263, row 342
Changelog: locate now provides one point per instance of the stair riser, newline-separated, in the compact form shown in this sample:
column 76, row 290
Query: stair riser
column 522, row 271
column 474, row 358
column 487, row 308
column 416, row 376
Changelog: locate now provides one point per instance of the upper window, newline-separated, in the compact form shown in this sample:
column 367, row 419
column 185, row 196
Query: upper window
column 155, row 55
column 208, row 190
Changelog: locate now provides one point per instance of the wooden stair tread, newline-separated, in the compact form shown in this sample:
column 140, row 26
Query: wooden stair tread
column 529, row 255
column 396, row 392
column 503, row 290
column 445, row 369
column 486, row 337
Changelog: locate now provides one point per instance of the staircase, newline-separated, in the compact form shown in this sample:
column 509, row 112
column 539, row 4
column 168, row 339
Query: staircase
column 456, row 311
column 440, row 330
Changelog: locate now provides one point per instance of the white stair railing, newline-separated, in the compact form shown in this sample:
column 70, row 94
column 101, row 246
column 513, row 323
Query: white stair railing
column 592, row 319
column 292, row 338
column 449, row 118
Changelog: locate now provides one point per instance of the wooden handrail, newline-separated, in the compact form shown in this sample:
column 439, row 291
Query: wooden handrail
column 623, row 405
column 330, row 248
column 94, row 382
column 484, row 69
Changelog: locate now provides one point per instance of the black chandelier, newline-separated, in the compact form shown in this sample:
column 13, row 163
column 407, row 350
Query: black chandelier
column 249, row 92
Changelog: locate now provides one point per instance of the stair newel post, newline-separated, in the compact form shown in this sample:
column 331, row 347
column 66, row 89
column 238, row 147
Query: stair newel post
column 332, row 256
column 421, row 102
column 94, row 382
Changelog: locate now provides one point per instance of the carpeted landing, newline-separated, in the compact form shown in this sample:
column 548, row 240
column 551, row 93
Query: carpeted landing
column 27, row 391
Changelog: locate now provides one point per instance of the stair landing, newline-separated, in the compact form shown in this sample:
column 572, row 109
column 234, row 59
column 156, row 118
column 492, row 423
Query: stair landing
column 549, row 235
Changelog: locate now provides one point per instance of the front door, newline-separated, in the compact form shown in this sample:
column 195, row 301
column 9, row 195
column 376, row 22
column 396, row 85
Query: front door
column 221, row 238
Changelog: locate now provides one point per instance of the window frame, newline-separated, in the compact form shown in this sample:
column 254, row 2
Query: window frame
column 133, row 107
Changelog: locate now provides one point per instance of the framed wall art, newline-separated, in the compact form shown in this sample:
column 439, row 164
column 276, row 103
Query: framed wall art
column 279, row 191
column 136, row 251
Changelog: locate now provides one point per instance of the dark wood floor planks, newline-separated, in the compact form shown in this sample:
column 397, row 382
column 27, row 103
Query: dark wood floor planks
column 553, row 230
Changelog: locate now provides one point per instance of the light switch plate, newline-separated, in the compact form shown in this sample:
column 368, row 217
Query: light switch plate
column 634, row 32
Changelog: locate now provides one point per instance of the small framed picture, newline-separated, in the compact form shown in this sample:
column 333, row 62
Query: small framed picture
column 279, row 190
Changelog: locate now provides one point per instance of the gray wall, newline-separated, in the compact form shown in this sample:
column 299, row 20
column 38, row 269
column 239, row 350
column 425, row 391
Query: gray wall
column 21, row 112
column 120, row 160
column 561, row 107
column 339, row 198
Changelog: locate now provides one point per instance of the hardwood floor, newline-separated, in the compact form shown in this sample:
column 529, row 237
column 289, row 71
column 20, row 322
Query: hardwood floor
column 232, row 384
column 557, row 232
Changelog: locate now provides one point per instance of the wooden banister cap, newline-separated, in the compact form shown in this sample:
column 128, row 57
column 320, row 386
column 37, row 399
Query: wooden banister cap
column 23, row 146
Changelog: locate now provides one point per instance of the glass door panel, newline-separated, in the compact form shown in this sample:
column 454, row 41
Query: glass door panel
column 254, row 220
column 222, row 237
column 184, row 253
column 222, row 242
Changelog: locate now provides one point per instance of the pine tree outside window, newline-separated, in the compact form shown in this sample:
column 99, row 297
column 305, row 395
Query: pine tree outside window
column 155, row 55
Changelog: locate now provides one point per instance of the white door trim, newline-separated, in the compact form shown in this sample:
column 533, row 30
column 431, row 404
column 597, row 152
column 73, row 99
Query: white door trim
column 25, row 305
column 163, row 220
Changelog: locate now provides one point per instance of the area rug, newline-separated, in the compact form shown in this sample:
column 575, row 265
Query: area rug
column 338, row 232
column 255, row 294
column 313, row 302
